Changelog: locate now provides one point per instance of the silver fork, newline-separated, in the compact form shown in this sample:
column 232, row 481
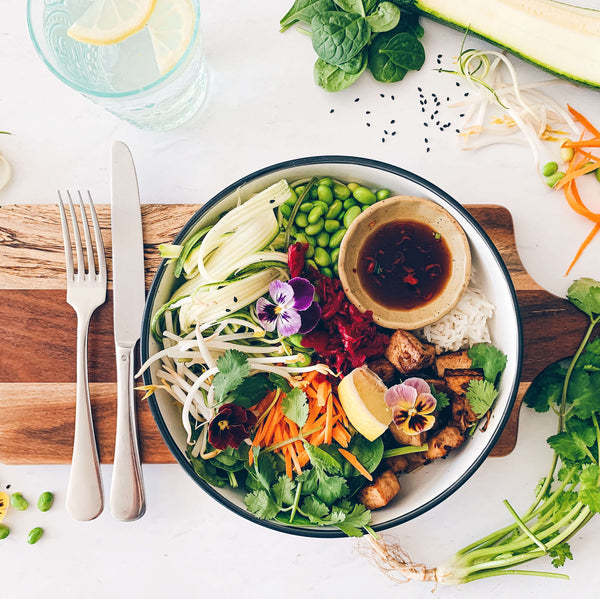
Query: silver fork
column 86, row 290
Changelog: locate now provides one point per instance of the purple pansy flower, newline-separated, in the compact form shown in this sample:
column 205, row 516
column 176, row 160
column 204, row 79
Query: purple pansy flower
column 294, row 310
column 412, row 405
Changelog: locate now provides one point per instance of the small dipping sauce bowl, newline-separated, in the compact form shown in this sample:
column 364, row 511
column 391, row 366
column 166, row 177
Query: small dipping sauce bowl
column 383, row 262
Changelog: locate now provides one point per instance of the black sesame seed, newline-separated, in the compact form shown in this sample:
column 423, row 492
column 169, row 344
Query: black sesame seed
column 368, row 124
column 458, row 130
column 331, row 111
column 392, row 121
column 437, row 103
column 424, row 101
column 436, row 111
column 392, row 97
column 426, row 125
column 368, row 112
column 385, row 131
column 235, row 299
column 447, row 99
column 466, row 94
column 442, row 129
column 383, row 140
column 422, row 110
column 439, row 55
column 227, row 310
column 271, row 201
column 437, row 123
column 393, row 133
column 457, row 84
column 428, row 149
column 426, row 141
column 382, row 95
column 461, row 115
column 8, row 486
column 356, row 99
column 419, row 89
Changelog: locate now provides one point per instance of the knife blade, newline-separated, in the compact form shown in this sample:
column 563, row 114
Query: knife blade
column 127, row 498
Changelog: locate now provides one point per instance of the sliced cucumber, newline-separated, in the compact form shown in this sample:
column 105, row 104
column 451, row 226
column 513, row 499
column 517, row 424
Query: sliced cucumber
column 562, row 39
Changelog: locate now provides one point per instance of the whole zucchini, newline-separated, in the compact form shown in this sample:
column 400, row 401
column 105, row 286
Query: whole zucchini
column 562, row 39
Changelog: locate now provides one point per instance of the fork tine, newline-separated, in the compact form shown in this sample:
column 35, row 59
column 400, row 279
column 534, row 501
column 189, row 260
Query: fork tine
column 77, row 236
column 66, row 238
column 89, row 249
column 98, row 237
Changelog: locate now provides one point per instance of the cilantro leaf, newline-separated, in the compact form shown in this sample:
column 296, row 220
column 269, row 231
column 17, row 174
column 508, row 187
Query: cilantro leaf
column 314, row 509
column 585, row 294
column 560, row 553
column 295, row 406
column 583, row 393
column 488, row 357
column 590, row 358
column 546, row 389
column 582, row 430
column 331, row 488
column 566, row 447
column 263, row 470
column 283, row 490
column 310, row 481
column 443, row 401
column 322, row 460
column 481, row 396
column 260, row 504
column 233, row 369
column 589, row 491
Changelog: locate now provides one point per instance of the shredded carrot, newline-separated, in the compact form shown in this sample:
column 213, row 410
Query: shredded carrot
column 354, row 461
column 323, row 392
column 581, row 119
column 288, row 463
column 588, row 168
column 582, row 247
column 586, row 143
column 328, row 421
column 338, row 435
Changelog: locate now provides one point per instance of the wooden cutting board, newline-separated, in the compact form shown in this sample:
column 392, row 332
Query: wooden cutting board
column 37, row 351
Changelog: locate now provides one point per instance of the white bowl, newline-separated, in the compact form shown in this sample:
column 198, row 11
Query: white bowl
column 427, row 487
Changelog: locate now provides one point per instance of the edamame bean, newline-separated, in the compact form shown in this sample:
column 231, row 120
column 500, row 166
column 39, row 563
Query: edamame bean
column 45, row 501
column 597, row 173
column 555, row 178
column 332, row 225
column 323, row 205
column 334, row 255
column 292, row 199
column 322, row 258
column 301, row 220
column 349, row 203
column 341, row 192
column 334, row 209
column 352, row 186
column 306, row 207
column 336, row 270
column 327, row 272
column 19, row 502
column 285, row 210
column 315, row 214
column 383, row 194
column 325, row 193
column 325, row 181
column 312, row 264
column 299, row 190
column 304, row 361
column 294, row 230
column 315, row 228
column 313, row 193
column 549, row 169
column 310, row 251
column 336, row 238
column 35, row 535
column 4, row 531
column 364, row 195
column 301, row 237
column 295, row 339
column 566, row 154
column 350, row 215
column 323, row 239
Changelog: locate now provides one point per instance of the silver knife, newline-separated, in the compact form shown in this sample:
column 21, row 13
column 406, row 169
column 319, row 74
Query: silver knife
column 127, row 501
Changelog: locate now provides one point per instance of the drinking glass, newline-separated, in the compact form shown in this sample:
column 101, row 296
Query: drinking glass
column 124, row 77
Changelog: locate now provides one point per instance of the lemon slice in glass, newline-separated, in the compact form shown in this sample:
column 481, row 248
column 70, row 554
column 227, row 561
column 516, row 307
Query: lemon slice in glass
column 111, row 21
column 361, row 395
column 4, row 499
column 171, row 27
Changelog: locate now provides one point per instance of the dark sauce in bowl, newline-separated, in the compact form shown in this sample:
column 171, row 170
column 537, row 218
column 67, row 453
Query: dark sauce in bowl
column 404, row 265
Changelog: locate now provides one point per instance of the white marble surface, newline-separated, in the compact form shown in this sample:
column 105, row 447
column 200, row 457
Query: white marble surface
column 263, row 108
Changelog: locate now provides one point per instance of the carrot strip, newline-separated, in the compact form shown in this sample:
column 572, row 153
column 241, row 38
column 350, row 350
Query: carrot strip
column 354, row 461
column 582, row 247
column 576, row 203
column 295, row 460
column 338, row 408
column 310, row 377
column 251, row 457
column 323, row 392
column 288, row 463
column 311, row 392
column 264, row 403
column 339, row 436
column 585, row 143
column 328, row 423
column 581, row 119
column 588, row 168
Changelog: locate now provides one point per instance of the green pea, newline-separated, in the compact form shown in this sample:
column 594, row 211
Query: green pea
column 323, row 239
column 285, row 210
column 312, row 264
column 597, row 173
column 315, row 228
column 332, row 225
column 334, row 209
column 292, row 199
column 549, row 169
column 19, row 502
column 555, row 178
column 322, row 257
column 306, row 207
column 335, row 254
column 353, row 186
column 4, row 531
column 349, row 203
column 45, row 501
column 336, row 238
column 350, row 215
column 325, row 193
column 327, row 271
column 301, row 219
column 364, row 195
column 383, row 194
column 35, row 535
column 325, row 181
column 341, row 192
column 315, row 214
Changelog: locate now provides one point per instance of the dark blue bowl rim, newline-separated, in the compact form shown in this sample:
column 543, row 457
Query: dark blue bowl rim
column 319, row 160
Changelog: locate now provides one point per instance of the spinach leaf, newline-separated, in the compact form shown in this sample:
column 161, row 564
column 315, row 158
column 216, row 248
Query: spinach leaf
column 356, row 65
column 405, row 51
column 356, row 6
column 305, row 10
column 208, row 472
column 338, row 37
column 385, row 18
column 251, row 391
column 333, row 78
column 370, row 5
column 368, row 453
column 380, row 65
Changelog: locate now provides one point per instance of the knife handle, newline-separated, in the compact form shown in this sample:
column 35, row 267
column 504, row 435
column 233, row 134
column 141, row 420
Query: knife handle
column 84, row 492
column 127, row 500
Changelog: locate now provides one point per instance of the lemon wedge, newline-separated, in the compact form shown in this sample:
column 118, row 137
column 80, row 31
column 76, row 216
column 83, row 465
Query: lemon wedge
column 361, row 395
column 111, row 21
column 171, row 27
